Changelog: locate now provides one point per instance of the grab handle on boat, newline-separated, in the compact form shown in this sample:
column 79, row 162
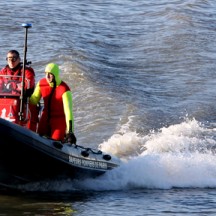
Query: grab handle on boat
column 26, row 26
column 85, row 153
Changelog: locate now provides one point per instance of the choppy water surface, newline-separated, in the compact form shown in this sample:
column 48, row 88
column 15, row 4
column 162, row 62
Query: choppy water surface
column 143, row 80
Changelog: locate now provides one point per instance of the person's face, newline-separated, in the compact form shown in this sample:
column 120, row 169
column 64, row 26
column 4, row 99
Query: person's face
column 50, row 77
column 13, row 60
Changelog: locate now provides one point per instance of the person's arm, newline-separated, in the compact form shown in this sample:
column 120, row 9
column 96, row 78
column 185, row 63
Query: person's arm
column 36, row 96
column 30, row 76
column 29, row 81
column 2, row 72
column 68, row 109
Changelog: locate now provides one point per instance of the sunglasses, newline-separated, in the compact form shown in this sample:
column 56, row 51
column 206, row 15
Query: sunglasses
column 13, row 59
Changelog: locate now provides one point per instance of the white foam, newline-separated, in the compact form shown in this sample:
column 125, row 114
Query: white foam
column 180, row 155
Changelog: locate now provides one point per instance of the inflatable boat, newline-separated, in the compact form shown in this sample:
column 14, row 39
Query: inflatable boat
column 27, row 157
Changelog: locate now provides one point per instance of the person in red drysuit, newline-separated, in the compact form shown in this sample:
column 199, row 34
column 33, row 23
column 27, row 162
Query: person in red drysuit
column 12, row 82
column 57, row 121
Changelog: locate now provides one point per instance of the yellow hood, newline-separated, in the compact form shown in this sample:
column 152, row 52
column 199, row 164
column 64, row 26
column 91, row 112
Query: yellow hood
column 54, row 69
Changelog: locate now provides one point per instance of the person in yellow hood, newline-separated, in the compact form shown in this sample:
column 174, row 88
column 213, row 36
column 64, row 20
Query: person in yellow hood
column 57, row 121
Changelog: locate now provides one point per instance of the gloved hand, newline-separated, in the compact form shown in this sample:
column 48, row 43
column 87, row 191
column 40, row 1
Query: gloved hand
column 70, row 138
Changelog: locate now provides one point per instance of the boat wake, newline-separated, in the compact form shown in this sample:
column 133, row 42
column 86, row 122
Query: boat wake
column 181, row 155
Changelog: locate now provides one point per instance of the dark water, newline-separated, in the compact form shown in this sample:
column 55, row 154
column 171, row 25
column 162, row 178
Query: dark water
column 136, row 202
column 143, row 77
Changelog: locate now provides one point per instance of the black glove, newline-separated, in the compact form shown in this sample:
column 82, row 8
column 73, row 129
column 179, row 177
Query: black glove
column 70, row 138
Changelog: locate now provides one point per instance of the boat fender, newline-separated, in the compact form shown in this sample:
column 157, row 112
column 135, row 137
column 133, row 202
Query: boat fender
column 107, row 157
column 58, row 145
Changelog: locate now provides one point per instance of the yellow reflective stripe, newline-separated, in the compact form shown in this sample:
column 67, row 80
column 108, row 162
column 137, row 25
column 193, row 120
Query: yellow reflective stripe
column 36, row 96
column 68, row 109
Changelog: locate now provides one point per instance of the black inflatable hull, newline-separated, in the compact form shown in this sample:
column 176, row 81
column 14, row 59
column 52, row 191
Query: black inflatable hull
column 27, row 157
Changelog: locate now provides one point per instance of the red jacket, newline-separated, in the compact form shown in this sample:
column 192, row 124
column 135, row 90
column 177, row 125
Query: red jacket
column 54, row 106
column 16, row 77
